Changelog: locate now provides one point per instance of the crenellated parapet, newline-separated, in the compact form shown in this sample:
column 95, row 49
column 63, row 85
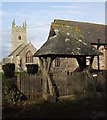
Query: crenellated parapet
column 17, row 27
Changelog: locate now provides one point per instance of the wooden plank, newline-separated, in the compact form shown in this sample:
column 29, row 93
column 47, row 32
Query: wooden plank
column 18, row 81
column 29, row 85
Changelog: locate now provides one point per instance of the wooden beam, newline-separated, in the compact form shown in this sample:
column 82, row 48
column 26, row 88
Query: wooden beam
column 98, row 59
column 44, row 80
column 82, row 62
column 45, row 65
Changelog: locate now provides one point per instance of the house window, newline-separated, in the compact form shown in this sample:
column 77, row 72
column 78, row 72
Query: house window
column 19, row 37
column 29, row 57
column 57, row 62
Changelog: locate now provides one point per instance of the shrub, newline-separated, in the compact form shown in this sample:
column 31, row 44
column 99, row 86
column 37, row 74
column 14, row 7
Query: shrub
column 9, row 70
column 32, row 68
column 12, row 95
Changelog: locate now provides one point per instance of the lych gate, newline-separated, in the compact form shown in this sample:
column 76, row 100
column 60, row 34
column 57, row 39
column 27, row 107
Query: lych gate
column 63, row 44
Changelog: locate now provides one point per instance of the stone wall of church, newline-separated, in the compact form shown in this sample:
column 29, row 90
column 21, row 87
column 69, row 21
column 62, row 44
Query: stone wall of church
column 102, row 59
column 18, row 35
column 70, row 64
column 23, row 55
column 67, row 66
column 106, row 59
column 0, row 67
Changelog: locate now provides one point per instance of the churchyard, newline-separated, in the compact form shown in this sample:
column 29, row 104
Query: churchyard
column 79, row 96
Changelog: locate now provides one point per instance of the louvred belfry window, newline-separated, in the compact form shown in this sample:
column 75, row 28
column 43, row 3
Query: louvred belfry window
column 29, row 57
column 19, row 37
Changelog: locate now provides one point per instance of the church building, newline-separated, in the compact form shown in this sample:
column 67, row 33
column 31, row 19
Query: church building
column 22, row 51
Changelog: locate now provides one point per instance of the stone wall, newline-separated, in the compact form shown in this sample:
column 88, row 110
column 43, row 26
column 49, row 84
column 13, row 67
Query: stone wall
column 102, row 59
column 23, row 55
column 16, row 32
column 67, row 66
column 70, row 64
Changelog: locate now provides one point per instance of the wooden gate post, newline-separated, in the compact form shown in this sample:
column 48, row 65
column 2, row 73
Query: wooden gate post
column 45, row 65
column 19, row 82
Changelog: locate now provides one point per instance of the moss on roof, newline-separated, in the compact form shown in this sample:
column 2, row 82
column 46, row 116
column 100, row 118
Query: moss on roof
column 67, row 41
column 91, row 31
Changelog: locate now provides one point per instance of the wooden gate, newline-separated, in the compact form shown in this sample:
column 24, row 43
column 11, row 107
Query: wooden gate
column 30, row 85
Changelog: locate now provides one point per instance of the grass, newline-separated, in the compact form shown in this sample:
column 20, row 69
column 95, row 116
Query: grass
column 81, row 106
column 64, row 108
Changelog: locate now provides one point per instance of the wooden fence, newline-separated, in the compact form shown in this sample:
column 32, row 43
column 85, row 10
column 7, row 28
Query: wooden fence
column 32, row 85
column 29, row 85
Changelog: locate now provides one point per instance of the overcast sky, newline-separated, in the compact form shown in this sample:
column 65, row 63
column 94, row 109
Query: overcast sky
column 39, row 15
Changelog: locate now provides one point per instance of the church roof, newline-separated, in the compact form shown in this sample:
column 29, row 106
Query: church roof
column 91, row 31
column 67, row 41
column 19, row 49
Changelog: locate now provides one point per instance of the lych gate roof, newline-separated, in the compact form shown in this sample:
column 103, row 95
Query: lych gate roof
column 67, row 41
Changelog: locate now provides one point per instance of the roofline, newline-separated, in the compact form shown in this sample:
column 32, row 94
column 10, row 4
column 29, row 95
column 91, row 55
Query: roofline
column 80, row 22
column 98, row 43
column 22, row 49
column 15, row 50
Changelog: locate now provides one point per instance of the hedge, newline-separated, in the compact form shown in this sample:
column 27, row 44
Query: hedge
column 9, row 70
column 32, row 68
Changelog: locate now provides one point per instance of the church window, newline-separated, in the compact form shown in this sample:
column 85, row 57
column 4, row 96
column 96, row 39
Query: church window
column 19, row 37
column 29, row 57
column 57, row 62
column 20, row 64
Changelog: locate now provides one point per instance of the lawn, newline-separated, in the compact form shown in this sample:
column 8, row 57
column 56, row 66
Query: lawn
column 86, row 105
column 66, row 107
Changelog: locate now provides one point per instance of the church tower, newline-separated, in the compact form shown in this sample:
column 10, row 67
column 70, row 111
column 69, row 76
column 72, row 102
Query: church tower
column 18, row 35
